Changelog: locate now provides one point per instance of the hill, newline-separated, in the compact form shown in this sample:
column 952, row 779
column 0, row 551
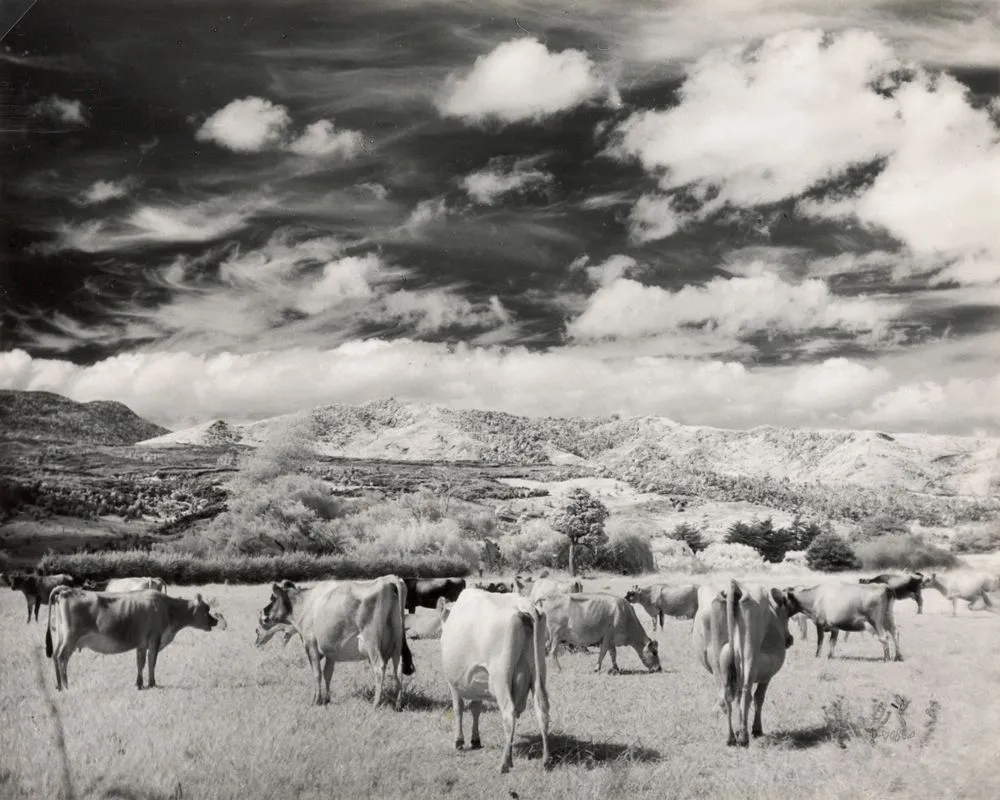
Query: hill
column 653, row 453
column 47, row 418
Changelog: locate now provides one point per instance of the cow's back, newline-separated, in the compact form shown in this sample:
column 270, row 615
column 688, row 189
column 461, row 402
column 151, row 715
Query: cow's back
column 678, row 601
column 587, row 618
column 109, row 622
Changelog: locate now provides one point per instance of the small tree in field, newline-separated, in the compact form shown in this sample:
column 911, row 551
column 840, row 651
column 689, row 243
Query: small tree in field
column 686, row 532
column 581, row 521
column 831, row 553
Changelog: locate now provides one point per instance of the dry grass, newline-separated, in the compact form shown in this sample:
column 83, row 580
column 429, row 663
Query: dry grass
column 231, row 721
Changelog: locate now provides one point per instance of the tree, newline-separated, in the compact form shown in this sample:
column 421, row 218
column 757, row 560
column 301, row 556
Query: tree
column 581, row 521
column 831, row 553
column 686, row 532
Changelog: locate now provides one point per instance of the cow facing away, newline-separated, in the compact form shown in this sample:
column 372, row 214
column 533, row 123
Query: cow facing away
column 839, row 606
column 740, row 636
column 601, row 619
column 902, row 586
column 37, row 588
column 426, row 592
column 492, row 645
column 109, row 623
column 344, row 621
column 968, row 586
column 663, row 598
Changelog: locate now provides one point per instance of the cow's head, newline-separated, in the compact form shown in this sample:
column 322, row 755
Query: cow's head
column 523, row 585
column 278, row 611
column 204, row 618
column 928, row 580
column 782, row 605
column 792, row 602
column 632, row 595
column 650, row 656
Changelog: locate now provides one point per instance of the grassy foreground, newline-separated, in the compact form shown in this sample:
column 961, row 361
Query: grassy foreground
column 230, row 721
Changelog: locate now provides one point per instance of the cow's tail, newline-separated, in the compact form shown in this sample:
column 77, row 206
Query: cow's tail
column 735, row 667
column 408, row 668
column 53, row 600
column 539, row 625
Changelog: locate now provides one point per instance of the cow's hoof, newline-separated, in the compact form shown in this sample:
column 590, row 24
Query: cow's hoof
column 899, row 657
column 731, row 741
column 459, row 744
column 475, row 744
column 614, row 671
column 757, row 733
column 742, row 740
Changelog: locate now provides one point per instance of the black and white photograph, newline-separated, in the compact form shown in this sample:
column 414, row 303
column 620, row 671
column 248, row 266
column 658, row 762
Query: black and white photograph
column 491, row 399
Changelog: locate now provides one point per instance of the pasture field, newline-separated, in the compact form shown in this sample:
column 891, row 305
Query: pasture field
column 232, row 721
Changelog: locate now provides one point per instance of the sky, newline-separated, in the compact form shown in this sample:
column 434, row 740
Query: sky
column 724, row 212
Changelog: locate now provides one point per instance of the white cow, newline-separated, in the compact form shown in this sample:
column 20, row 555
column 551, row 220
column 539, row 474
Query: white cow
column 968, row 586
column 493, row 645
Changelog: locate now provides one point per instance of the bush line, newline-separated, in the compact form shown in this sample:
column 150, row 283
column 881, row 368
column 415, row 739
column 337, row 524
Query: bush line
column 180, row 569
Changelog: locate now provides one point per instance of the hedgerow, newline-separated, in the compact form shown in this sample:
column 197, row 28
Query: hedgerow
column 180, row 569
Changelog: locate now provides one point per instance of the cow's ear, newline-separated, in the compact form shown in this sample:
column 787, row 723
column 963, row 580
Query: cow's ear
column 779, row 596
column 198, row 599
column 275, row 588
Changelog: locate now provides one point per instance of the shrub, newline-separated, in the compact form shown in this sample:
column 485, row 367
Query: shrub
column 181, row 569
column 536, row 546
column 675, row 555
column 688, row 533
column 903, row 551
column 831, row 553
column 976, row 540
column 763, row 537
column 879, row 525
column 730, row 556
column 417, row 539
column 628, row 551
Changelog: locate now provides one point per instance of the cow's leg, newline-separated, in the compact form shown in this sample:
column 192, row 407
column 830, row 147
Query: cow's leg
column 989, row 603
column 506, row 706
column 328, row 666
column 920, row 602
column 819, row 640
column 833, row 642
column 314, row 661
column 758, row 701
column 397, row 672
column 954, row 606
column 379, row 667
column 476, row 707
column 27, row 599
column 880, row 632
column 613, row 652
column 542, row 715
column 745, row 690
column 458, row 709
column 554, row 652
column 727, row 687
column 153, row 651
column 600, row 655
column 38, row 605
column 140, row 664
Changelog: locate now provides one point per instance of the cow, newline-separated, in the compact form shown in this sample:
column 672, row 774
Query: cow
column 135, row 584
column 425, row 592
column 902, row 586
column 535, row 590
column 344, row 621
column 107, row 622
column 840, row 606
column 497, row 587
column 968, row 586
column 741, row 636
column 493, row 645
column 663, row 598
column 37, row 588
column 598, row 618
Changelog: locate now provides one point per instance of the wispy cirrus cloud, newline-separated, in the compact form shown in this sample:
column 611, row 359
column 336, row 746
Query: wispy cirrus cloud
column 104, row 191
column 504, row 177
column 523, row 80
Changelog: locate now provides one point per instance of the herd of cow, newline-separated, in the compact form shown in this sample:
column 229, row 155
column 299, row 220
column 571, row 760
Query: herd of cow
column 495, row 636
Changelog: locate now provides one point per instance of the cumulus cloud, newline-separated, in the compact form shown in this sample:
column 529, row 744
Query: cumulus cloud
column 104, row 191
column 181, row 388
column 249, row 125
column 654, row 217
column 424, row 213
column 59, row 109
column 322, row 139
column 522, row 80
column 608, row 271
column 500, row 178
column 255, row 124
column 435, row 310
column 626, row 308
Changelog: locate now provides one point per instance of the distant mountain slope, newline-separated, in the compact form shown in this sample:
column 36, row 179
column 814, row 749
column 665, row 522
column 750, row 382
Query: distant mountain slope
column 51, row 418
column 639, row 448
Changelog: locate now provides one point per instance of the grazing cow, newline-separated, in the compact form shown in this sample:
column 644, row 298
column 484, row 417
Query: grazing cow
column 839, row 606
column 902, row 586
column 535, row 590
column 497, row 587
column 425, row 592
column 740, row 636
column 604, row 619
column 494, row 645
column 968, row 586
column 145, row 621
column 37, row 588
column 344, row 621
column 662, row 598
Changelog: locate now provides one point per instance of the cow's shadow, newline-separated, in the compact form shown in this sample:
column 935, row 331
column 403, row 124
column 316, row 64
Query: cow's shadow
column 565, row 748
column 801, row 739
column 414, row 698
column 858, row 658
